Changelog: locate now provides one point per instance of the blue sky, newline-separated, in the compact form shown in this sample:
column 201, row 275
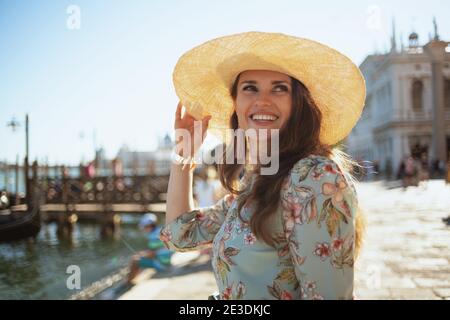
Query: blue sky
column 113, row 75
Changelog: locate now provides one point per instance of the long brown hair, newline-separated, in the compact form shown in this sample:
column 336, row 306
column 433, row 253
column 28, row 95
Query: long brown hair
column 296, row 142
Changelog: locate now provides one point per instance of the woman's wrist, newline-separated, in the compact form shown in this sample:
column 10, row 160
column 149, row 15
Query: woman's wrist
column 184, row 162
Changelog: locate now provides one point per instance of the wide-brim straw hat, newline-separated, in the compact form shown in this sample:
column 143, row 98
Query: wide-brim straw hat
column 204, row 75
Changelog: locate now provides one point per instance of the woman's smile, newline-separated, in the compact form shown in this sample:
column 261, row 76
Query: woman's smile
column 261, row 118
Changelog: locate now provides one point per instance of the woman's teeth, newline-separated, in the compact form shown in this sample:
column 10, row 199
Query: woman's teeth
column 265, row 117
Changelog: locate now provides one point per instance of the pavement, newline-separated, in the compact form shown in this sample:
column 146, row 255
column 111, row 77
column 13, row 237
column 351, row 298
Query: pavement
column 405, row 255
column 190, row 278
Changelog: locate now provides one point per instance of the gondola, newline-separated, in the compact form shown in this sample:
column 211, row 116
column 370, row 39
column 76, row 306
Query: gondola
column 16, row 228
column 12, row 226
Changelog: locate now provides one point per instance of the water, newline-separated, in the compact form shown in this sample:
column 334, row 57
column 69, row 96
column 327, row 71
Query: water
column 37, row 270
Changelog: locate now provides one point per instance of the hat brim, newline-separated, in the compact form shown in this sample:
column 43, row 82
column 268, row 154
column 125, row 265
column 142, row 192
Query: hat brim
column 203, row 77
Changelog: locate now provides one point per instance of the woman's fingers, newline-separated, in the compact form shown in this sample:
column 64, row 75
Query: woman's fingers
column 188, row 117
column 183, row 120
column 205, row 124
column 205, row 121
column 194, row 127
column 178, row 112
column 187, row 121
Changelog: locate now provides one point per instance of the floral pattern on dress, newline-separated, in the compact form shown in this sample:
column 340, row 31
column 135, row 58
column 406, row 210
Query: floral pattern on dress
column 234, row 291
column 314, row 238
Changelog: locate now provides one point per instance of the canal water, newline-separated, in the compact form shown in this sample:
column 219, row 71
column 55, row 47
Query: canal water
column 38, row 269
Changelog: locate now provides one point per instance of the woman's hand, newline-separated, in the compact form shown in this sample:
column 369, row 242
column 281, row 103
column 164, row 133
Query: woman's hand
column 179, row 191
column 185, row 145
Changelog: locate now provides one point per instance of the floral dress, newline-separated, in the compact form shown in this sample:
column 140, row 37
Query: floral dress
column 314, row 227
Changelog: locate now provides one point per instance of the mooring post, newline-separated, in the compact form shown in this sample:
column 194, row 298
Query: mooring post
column 33, row 182
column 66, row 219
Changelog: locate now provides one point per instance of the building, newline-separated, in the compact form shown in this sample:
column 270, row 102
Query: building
column 129, row 162
column 147, row 162
column 407, row 110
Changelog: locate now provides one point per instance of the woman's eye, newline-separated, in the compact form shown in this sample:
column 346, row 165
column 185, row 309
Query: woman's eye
column 249, row 88
column 281, row 88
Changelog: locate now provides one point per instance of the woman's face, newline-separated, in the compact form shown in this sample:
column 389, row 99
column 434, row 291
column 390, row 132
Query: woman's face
column 264, row 99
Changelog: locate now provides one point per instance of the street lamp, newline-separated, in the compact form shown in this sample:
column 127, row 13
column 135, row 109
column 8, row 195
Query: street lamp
column 27, row 185
column 14, row 124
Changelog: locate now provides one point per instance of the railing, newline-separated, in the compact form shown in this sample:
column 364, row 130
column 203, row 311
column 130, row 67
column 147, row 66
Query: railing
column 134, row 189
column 130, row 193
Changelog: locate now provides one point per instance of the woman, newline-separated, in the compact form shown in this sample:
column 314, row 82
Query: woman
column 287, row 235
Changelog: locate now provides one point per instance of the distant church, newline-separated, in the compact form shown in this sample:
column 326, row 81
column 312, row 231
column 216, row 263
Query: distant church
column 407, row 109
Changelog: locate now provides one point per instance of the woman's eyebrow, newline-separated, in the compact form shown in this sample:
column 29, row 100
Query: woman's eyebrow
column 280, row 82
column 273, row 82
column 249, row 82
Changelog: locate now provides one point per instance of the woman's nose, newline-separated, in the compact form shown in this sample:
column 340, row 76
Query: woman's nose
column 263, row 101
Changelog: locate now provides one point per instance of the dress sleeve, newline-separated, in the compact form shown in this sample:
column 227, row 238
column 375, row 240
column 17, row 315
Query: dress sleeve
column 196, row 229
column 319, row 206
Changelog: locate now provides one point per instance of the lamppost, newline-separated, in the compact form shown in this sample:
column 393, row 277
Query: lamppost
column 14, row 124
column 27, row 180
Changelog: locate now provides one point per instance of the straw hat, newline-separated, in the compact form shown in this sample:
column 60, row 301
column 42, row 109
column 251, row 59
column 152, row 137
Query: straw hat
column 205, row 74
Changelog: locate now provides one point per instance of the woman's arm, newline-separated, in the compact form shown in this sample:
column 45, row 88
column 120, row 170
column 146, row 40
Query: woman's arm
column 188, row 228
column 196, row 229
column 179, row 193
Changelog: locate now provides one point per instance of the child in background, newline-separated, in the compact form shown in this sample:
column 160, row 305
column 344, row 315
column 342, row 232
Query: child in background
column 157, row 256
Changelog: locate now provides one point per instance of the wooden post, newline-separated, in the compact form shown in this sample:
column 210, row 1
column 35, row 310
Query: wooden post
column 5, row 171
column 16, row 182
column 26, row 166
column 66, row 219
column 46, row 181
column 64, row 186
column 34, row 181
column 81, row 170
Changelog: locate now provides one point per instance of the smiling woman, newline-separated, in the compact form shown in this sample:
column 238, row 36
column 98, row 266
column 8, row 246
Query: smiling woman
column 265, row 102
column 293, row 234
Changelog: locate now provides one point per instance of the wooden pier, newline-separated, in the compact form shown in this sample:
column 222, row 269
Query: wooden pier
column 65, row 200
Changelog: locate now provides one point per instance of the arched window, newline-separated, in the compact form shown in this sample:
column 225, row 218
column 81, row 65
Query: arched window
column 417, row 95
column 447, row 93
